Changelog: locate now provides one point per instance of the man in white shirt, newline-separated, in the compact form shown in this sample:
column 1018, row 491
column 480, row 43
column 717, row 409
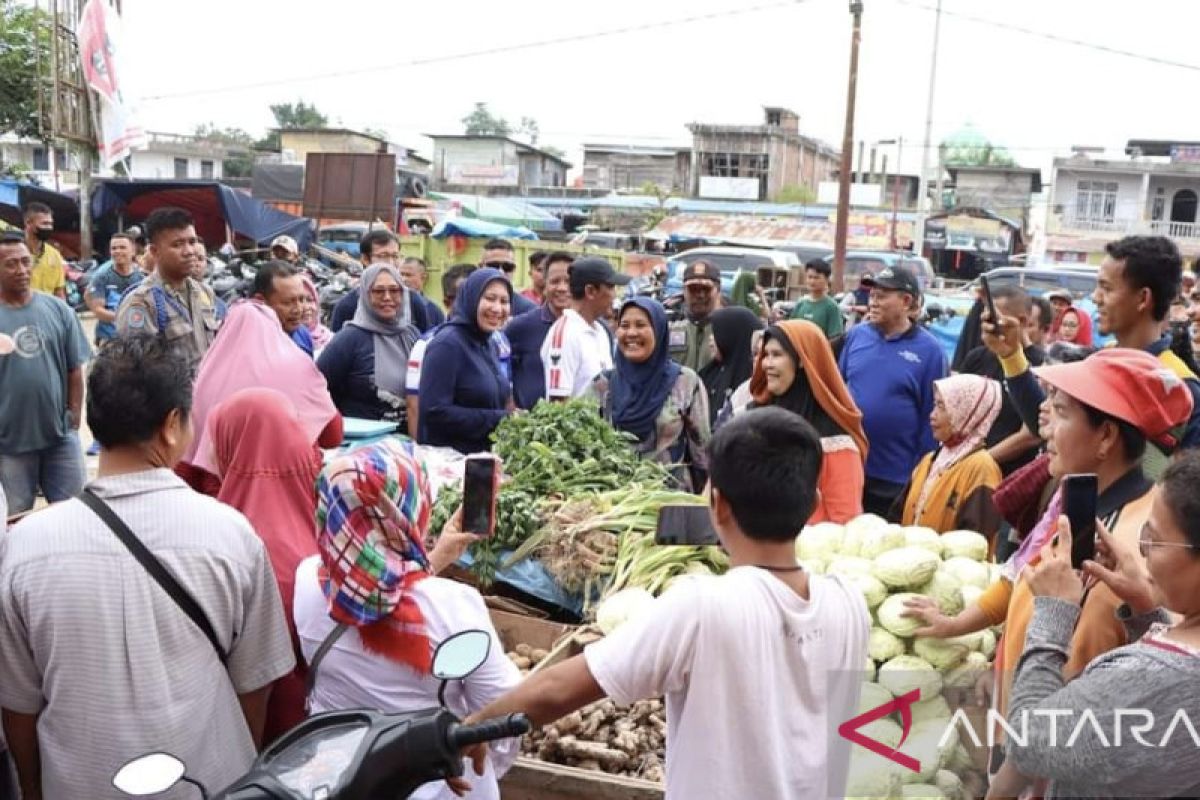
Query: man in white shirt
column 759, row 666
column 578, row 347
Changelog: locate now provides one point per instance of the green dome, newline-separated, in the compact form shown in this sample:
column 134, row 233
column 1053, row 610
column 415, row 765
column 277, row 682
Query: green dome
column 967, row 146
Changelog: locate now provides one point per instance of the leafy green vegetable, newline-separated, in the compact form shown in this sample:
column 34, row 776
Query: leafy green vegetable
column 517, row 519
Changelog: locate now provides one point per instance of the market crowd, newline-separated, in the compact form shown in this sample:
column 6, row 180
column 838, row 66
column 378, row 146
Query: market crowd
column 221, row 435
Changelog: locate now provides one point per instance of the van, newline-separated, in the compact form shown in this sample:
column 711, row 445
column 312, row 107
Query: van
column 730, row 260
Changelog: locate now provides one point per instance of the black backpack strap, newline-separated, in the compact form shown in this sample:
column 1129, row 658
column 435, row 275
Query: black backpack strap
column 335, row 634
column 157, row 570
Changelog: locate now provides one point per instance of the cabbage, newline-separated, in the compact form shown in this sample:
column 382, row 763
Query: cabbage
column 903, row 674
column 872, row 777
column 971, row 573
column 943, row 654
column 926, row 750
column 819, row 541
column 935, row 708
column 850, row 565
column 971, row 595
column 873, row 591
column 949, row 783
column 928, row 538
column 883, row 645
column 965, row 675
column 879, row 540
column 967, row 544
column 922, row 791
column 622, row 606
column 906, row 567
column 890, row 615
column 869, row 670
column 945, row 590
column 960, row 760
column 856, row 531
column 987, row 643
column 995, row 573
column 813, row 566
column 873, row 696
column 883, row 730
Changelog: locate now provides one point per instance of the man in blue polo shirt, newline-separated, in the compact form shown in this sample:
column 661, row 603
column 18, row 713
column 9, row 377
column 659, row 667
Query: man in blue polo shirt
column 890, row 365
column 527, row 332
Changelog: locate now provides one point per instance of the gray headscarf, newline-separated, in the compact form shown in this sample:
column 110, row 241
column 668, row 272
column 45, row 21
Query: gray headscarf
column 393, row 338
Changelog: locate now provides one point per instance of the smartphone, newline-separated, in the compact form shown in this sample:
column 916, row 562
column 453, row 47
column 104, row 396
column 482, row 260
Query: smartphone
column 481, row 481
column 989, row 303
column 688, row 525
column 1079, row 493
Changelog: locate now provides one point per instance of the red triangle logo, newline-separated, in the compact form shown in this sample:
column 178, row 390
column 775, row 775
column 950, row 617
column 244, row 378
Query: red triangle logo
column 849, row 729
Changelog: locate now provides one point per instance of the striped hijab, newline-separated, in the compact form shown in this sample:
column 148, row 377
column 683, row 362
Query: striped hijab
column 373, row 507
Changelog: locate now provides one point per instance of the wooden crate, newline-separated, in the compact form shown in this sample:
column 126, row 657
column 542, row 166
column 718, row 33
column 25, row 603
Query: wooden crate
column 530, row 779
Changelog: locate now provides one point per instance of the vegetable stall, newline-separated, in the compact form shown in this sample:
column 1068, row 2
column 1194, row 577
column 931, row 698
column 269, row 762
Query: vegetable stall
column 579, row 508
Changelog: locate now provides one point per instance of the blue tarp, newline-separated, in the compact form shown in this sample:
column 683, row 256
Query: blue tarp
column 477, row 228
column 214, row 205
column 14, row 195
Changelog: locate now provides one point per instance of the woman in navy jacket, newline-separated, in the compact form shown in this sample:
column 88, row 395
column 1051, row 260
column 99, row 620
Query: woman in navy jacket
column 464, row 394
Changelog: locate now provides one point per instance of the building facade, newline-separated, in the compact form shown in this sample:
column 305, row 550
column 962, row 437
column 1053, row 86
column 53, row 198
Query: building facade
column 1005, row 191
column 493, row 165
column 167, row 156
column 1095, row 201
column 618, row 167
column 773, row 155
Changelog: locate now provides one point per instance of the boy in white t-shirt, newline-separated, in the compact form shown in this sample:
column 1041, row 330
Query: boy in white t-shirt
column 760, row 666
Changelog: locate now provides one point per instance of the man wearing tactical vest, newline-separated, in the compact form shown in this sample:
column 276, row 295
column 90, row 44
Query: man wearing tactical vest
column 170, row 303
column 1134, row 289
column 690, row 337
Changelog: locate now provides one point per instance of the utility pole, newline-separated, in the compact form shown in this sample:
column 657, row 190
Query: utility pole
column 923, row 193
column 843, row 207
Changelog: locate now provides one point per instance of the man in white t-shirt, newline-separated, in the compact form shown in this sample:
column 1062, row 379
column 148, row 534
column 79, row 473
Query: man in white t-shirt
column 760, row 666
column 578, row 347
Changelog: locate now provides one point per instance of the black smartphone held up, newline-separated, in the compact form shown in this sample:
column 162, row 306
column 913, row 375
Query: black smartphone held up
column 481, row 480
column 688, row 525
column 989, row 303
column 1079, row 493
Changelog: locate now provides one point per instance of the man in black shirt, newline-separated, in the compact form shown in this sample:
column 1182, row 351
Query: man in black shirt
column 1011, row 444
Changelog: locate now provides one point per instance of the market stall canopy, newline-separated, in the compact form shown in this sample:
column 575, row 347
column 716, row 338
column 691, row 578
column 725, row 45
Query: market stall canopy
column 15, row 195
column 867, row 230
column 479, row 229
column 213, row 205
column 513, row 212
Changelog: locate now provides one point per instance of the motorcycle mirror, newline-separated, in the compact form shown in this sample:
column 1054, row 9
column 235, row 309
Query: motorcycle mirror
column 461, row 654
column 149, row 774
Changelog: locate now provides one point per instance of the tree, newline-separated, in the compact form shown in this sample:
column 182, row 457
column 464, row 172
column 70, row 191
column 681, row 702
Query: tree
column 558, row 152
column 378, row 133
column 481, row 122
column 24, row 43
column 239, row 160
column 529, row 127
column 298, row 115
column 795, row 193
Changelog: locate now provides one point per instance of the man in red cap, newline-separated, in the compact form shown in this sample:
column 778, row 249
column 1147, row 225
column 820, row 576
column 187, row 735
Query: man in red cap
column 1135, row 287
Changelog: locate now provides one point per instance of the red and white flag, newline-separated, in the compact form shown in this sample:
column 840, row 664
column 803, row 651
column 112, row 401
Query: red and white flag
column 100, row 51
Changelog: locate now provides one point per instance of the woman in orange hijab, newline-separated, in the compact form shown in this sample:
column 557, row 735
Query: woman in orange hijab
column 796, row 370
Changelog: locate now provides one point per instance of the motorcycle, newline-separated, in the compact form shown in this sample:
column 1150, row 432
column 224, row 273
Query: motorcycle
column 79, row 275
column 352, row 755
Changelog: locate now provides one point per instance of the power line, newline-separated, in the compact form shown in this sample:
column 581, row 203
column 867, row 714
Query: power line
column 422, row 62
column 1054, row 37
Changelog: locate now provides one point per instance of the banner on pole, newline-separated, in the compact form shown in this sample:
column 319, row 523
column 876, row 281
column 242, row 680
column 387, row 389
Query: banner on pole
column 100, row 50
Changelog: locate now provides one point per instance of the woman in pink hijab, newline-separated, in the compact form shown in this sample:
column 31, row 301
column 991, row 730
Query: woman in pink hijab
column 253, row 352
column 312, row 316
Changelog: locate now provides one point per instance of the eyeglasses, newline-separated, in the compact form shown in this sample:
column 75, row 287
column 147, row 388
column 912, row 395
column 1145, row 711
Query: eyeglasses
column 1145, row 545
column 506, row 266
column 389, row 291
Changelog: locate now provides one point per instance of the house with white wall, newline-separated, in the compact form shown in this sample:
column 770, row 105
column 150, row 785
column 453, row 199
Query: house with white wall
column 1093, row 200
column 167, row 156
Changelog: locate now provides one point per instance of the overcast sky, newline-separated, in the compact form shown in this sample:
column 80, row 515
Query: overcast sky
column 1034, row 96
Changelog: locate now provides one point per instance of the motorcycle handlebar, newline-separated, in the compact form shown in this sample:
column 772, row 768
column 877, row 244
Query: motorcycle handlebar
column 460, row 736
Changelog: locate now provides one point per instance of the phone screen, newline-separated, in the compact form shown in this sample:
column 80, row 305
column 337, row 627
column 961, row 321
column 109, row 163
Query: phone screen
column 987, row 299
column 688, row 525
column 1079, row 504
column 480, row 480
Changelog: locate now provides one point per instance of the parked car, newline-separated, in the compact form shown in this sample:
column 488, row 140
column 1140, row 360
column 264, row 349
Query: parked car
column 1079, row 281
column 343, row 238
column 861, row 262
column 730, row 260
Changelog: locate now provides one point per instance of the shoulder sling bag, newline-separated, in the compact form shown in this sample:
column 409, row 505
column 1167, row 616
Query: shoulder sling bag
column 157, row 570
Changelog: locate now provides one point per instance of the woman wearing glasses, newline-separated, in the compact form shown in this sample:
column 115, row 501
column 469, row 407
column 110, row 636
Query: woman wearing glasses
column 366, row 361
column 1137, row 692
column 1103, row 413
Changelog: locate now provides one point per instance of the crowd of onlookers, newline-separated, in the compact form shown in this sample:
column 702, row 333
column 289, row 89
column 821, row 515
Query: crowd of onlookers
column 220, row 433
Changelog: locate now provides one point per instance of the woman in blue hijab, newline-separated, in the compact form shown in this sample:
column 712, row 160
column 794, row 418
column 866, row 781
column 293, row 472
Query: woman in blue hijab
column 464, row 392
column 648, row 395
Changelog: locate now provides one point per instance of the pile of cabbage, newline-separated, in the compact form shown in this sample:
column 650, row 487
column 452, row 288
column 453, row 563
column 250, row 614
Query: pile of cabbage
column 890, row 564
